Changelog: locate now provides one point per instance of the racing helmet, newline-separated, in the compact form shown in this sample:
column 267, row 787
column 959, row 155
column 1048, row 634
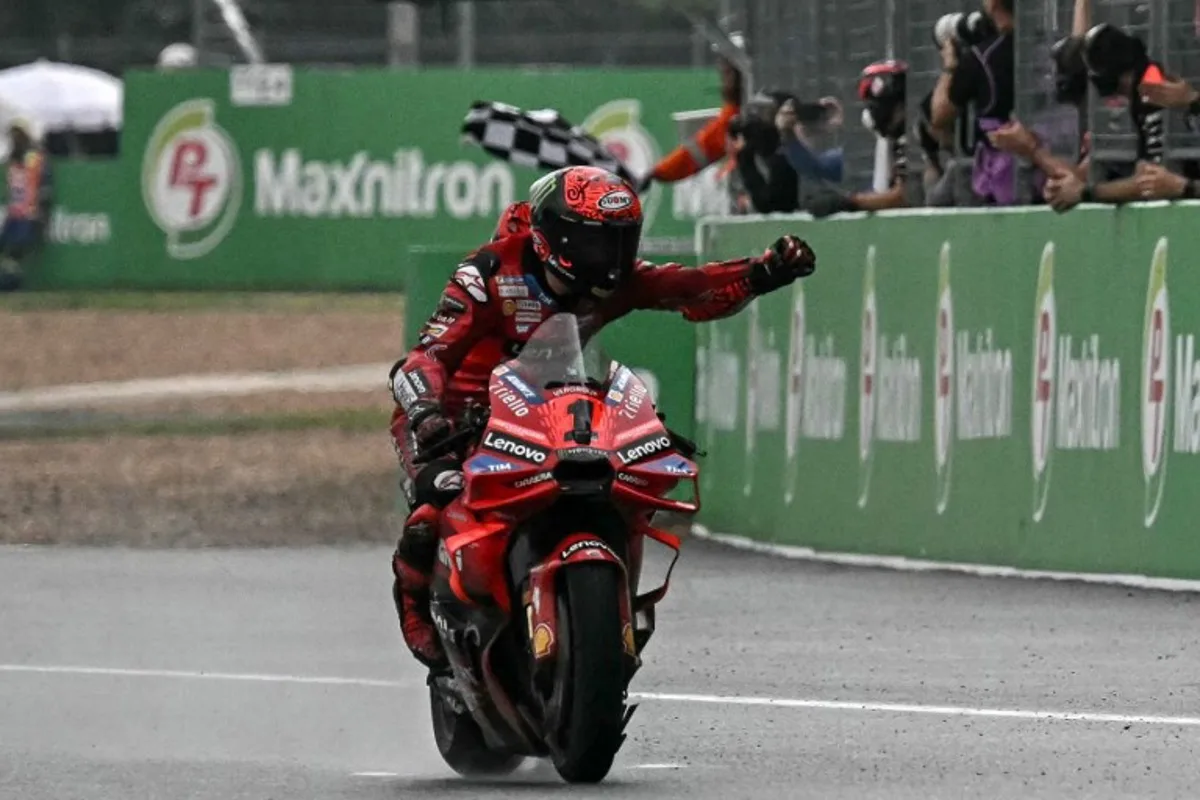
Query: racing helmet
column 587, row 224
column 881, row 88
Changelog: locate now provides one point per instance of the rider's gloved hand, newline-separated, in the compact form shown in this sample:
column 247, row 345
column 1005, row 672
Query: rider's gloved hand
column 787, row 259
column 429, row 426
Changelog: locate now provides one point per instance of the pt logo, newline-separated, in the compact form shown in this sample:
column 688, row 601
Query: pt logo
column 1156, row 374
column 1045, row 330
column 867, row 387
column 943, row 383
column 618, row 126
column 191, row 179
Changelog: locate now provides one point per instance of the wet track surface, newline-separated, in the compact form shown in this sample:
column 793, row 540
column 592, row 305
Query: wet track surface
column 216, row 643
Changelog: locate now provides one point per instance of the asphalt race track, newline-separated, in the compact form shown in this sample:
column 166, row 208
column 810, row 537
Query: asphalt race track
column 230, row 675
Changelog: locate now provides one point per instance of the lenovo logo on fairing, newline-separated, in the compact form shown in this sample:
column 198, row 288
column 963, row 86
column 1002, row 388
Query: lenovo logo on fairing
column 644, row 449
column 514, row 448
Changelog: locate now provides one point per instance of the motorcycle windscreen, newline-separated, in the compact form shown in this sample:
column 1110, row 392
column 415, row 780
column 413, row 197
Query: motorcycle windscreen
column 560, row 353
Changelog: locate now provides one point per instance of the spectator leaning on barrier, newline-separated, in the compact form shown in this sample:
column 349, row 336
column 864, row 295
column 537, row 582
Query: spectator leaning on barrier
column 1119, row 66
column 28, row 200
column 977, row 73
column 1155, row 180
column 882, row 89
column 1070, row 89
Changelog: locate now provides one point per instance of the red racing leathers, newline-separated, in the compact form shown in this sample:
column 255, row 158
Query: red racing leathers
column 495, row 300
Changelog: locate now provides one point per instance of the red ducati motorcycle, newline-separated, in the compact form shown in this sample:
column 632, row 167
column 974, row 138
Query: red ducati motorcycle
column 536, row 588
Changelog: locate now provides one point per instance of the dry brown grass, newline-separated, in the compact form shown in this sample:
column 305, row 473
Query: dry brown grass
column 46, row 348
column 262, row 489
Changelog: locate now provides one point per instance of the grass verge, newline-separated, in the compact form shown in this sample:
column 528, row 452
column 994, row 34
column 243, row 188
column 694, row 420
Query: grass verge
column 353, row 420
column 299, row 302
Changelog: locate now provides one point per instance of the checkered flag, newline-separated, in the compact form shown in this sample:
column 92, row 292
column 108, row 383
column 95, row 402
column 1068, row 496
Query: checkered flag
column 540, row 139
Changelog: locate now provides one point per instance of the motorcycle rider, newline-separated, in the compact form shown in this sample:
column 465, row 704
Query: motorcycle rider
column 580, row 256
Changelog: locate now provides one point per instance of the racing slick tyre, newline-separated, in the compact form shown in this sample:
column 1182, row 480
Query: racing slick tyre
column 461, row 743
column 593, row 672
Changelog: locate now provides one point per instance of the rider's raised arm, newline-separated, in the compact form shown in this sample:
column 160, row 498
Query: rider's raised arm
column 705, row 293
column 702, row 293
column 720, row 289
column 465, row 314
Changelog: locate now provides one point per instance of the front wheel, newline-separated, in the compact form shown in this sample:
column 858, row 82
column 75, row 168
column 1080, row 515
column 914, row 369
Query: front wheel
column 592, row 667
column 461, row 743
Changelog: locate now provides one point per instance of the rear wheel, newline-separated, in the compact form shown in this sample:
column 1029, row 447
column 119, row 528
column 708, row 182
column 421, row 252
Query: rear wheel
column 592, row 669
column 461, row 743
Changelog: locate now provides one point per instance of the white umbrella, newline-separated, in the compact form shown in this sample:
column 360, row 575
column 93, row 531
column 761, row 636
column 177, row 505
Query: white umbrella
column 63, row 96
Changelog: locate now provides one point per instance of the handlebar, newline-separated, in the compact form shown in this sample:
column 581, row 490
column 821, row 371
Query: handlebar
column 469, row 427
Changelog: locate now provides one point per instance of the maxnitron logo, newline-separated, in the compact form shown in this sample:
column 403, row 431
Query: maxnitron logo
column 868, row 361
column 288, row 185
column 191, row 179
column 1156, row 392
column 816, row 391
column 889, row 387
column 763, row 369
column 943, row 383
column 1076, row 395
column 1045, row 329
column 972, row 385
column 718, row 377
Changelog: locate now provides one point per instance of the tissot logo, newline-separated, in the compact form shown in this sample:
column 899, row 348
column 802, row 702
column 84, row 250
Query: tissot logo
column 644, row 448
column 514, row 447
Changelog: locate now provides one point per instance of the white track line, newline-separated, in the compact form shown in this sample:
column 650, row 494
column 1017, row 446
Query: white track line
column 914, row 708
column 249, row 677
column 706, row 699
column 360, row 377
column 902, row 564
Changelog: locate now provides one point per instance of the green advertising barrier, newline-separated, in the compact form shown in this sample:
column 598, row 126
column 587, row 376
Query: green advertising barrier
column 1015, row 388
column 326, row 183
column 81, row 235
column 660, row 347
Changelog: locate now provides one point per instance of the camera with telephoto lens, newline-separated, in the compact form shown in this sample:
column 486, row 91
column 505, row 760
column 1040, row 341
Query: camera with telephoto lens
column 760, row 135
column 966, row 30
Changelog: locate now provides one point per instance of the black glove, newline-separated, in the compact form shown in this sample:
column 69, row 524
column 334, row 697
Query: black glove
column 429, row 427
column 828, row 204
column 785, row 261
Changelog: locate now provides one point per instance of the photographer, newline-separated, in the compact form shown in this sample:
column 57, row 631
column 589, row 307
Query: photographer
column 762, row 167
column 1119, row 65
column 977, row 73
column 882, row 89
